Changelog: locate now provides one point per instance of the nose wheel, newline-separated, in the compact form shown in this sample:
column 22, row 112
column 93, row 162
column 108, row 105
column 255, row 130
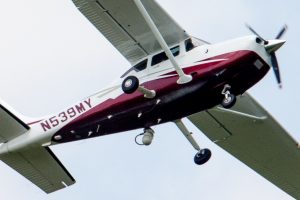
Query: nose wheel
column 229, row 99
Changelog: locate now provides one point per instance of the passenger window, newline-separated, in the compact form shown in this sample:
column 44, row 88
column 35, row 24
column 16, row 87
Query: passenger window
column 141, row 66
column 162, row 56
column 159, row 58
column 138, row 67
column 189, row 45
column 175, row 51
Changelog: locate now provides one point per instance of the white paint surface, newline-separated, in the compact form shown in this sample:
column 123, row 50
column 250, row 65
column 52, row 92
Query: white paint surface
column 51, row 56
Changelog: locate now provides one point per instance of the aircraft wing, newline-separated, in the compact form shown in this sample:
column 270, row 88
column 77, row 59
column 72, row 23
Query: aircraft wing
column 254, row 137
column 122, row 24
column 41, row 167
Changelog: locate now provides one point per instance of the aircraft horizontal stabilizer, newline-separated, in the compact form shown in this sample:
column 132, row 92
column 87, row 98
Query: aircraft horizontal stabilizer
column 10, row 125
column 36, row 163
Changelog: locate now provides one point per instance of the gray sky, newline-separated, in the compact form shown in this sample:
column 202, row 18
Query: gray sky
column 51, row 56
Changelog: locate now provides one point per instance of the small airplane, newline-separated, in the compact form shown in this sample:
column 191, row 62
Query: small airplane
column 174, row 75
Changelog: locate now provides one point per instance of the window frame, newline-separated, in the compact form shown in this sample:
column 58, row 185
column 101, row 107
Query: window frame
column 189, row 42
column 143, row 63
column 156, row 60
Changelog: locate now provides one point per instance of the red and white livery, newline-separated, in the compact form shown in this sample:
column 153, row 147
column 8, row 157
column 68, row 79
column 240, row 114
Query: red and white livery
column 174, row 75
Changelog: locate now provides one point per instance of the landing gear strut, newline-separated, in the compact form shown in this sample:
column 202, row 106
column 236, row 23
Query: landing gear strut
column 229, row 99
column 203, row 155
column 132, row 83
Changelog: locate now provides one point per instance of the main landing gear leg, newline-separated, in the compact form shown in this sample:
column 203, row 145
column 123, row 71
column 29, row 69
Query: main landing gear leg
column 229, row 99
column 203, row 155
column 132, row 83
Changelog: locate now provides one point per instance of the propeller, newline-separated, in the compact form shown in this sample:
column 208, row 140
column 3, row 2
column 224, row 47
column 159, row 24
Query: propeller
column 272, row 46
column 255, row 33
column 282, row 32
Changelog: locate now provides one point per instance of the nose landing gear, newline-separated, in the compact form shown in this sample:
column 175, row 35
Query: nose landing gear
column 229, row 99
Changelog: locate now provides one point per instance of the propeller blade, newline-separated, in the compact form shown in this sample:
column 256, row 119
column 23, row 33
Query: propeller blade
column 255, row 33
column 276, row 69
column 282, row 32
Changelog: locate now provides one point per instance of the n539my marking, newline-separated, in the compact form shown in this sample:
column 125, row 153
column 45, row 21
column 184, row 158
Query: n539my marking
column 66, row 115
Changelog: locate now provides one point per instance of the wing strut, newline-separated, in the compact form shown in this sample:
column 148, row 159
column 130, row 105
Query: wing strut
column 183, row 78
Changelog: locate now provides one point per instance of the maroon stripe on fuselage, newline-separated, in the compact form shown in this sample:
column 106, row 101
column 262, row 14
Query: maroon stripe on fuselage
column 176, row 101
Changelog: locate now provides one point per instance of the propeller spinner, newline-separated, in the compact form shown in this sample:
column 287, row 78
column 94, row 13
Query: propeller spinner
column 271, row 47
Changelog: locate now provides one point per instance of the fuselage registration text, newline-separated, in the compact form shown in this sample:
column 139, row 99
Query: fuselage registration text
column 66, row 115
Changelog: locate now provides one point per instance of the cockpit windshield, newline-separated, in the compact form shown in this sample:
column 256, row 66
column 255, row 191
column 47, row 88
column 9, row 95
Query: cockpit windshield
column 189, row 45
column 193, row 42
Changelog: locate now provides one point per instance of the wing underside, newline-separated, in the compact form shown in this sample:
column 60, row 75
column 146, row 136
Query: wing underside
column 123, row 25
column 254, row 137
column 40, row 166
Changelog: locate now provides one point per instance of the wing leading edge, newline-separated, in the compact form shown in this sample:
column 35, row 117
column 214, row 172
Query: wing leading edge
column 123, row 25
column 254, row 137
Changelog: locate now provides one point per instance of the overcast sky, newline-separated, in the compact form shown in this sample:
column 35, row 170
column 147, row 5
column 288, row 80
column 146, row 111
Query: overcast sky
column 51, row 56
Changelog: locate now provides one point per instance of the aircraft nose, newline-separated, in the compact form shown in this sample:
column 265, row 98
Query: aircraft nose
column 274, row 45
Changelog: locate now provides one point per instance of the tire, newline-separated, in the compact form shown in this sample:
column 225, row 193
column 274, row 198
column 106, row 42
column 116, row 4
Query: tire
column 130, row 84
column 229, row 102
column 202, row 156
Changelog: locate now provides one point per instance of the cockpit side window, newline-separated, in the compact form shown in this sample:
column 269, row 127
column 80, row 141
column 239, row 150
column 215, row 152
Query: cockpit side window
column 138, row 67
column 175, row 51
column 158, row 58
column 141, row 66
column 189, row 45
